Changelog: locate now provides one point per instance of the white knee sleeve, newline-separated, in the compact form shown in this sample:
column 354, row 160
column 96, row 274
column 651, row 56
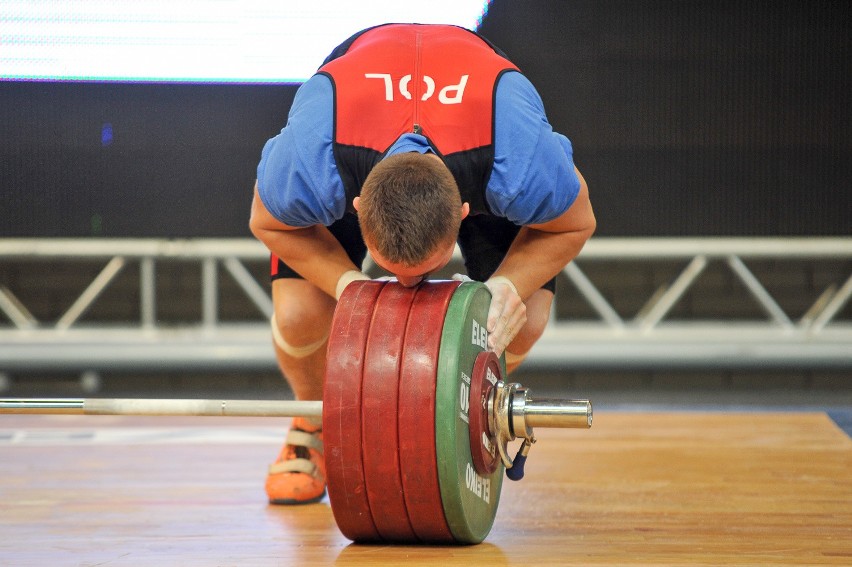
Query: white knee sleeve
column 295, row 352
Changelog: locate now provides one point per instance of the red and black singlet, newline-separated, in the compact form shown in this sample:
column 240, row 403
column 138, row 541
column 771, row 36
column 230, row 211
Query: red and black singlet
column 434, row 80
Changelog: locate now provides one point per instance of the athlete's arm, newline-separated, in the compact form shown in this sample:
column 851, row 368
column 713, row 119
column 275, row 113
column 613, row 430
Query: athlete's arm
column 311, row 251
column 542, row 250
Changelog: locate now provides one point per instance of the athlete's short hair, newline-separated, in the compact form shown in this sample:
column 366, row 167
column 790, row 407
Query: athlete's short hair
column 409, row 206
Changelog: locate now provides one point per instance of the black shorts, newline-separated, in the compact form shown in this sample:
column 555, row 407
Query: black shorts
column 483, row 240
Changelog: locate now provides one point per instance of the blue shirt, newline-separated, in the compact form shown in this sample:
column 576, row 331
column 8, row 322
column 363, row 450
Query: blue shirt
column 532, row 180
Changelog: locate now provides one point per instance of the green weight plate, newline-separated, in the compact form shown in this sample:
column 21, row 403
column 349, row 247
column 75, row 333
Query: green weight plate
column 469, row 498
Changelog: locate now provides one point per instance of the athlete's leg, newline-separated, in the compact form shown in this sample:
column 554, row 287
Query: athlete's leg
column 300, row 333
column 300, row 327
column 303, row 316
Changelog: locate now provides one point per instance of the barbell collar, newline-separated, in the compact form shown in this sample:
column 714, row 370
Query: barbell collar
column 513, row 413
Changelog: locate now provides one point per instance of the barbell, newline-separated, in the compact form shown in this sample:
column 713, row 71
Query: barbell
column 416, row 415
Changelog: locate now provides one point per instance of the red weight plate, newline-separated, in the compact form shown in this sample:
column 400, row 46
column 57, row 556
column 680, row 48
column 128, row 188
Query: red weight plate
column 483, row 447
column 379, row 409
column 418, row 374
column 341, row 414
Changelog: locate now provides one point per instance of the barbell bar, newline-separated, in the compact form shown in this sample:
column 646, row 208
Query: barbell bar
column 417, row 417
column 161, row 407
column 547, row 412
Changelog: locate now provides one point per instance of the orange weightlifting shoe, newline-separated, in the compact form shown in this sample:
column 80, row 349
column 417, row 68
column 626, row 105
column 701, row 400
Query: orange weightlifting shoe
column 298, row 476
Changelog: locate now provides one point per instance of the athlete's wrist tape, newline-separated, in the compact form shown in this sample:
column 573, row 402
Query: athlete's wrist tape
column 346, row 279
column 503, row 280
column 295, row 352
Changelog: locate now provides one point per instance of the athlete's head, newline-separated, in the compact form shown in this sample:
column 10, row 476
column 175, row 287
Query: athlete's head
column 410, row 211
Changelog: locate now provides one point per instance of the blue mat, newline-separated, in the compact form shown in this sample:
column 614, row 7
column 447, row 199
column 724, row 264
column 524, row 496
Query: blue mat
column 843, row 419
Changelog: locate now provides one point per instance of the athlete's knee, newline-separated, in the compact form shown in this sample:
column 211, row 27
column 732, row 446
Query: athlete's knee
column 538, row 316
column 301, row 320
column 299, row 350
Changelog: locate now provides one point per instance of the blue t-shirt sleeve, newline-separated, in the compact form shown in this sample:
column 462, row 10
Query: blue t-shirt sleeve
column 297, row 177
column 533, row 180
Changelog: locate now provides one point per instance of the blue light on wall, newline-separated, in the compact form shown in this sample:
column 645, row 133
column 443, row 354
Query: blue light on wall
column 106, row 134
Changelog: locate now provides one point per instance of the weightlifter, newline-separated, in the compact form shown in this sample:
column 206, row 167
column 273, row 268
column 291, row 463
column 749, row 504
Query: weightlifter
column 409, row 139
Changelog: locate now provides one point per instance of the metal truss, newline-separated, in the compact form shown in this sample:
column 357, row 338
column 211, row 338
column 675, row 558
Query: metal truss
column 651, row 337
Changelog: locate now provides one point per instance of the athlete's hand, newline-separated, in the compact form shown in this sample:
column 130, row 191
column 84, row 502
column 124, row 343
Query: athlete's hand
column 506, row 315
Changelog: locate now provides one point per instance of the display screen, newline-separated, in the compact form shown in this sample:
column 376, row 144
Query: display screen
column 195, row 41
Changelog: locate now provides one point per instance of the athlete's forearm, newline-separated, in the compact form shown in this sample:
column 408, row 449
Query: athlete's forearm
column 536, row 256
column 311, row 251
column 539, row 252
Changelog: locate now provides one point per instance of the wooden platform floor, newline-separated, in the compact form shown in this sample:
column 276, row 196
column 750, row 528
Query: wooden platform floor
column 636, row 489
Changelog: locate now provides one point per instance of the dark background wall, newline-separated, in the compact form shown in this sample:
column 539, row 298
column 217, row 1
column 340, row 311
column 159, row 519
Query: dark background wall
column 687, row 118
